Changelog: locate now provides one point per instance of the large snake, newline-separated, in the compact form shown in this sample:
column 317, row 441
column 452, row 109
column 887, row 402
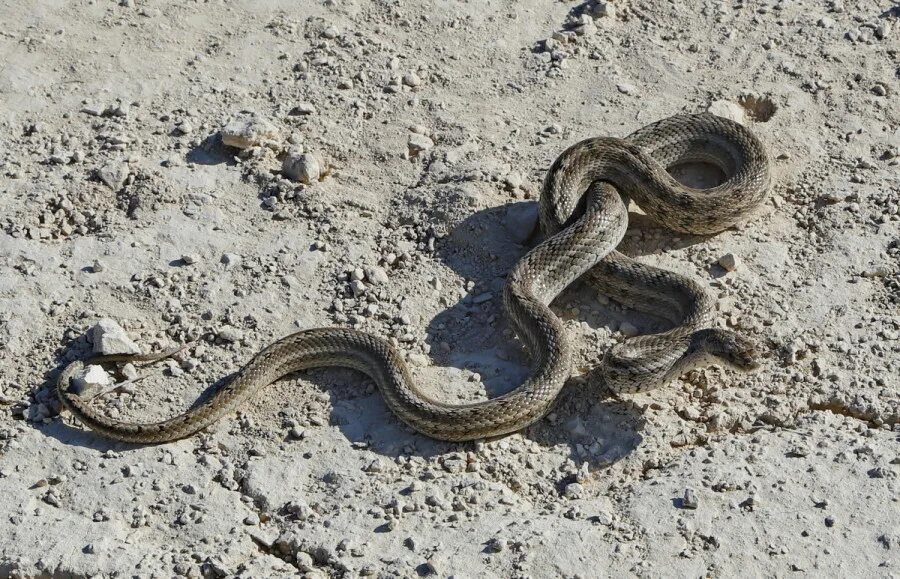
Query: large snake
column 584, row 217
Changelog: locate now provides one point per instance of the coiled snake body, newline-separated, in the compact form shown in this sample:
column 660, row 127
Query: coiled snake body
column 584, row 217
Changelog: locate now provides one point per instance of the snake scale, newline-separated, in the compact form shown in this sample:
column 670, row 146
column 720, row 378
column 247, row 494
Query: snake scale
column 583, row 216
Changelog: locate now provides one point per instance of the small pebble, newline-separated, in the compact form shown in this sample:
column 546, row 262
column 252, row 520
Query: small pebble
column 689, row 500
column 418, row 143
column 574, row 490
column 248, row 130
column 303, row 109
column 411, row 79
column 628, row 89
column 90, row 381
column 302, row 167
column 729, row 262
column 376, row 275
column 229, row 334
column 109, row 337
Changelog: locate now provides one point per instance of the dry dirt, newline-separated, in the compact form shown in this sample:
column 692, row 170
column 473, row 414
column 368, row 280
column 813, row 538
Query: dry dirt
column 433, row 124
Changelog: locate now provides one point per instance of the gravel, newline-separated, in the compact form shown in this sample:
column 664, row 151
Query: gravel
column 157, row 192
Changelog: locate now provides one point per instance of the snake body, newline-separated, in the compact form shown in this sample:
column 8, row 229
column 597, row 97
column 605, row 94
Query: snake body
column 584, row 217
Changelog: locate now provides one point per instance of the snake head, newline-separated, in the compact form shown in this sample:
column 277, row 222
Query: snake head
column 731, row 348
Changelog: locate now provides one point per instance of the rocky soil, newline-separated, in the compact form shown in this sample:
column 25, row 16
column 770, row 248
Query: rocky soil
column 226, row 172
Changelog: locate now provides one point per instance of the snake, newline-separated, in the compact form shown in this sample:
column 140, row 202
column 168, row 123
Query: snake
column 583, row 215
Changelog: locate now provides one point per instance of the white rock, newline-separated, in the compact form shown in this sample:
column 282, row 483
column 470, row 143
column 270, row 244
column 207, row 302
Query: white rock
column 129, row 371
column 229, row 334
column 376, row 275
column 729, row 261
column 418, row 143
column 90, row 381
column 728, row 110
column 689, row 501
column 108, row 337
column 627, row 88
column 113, row 174
column 513, row 181
column 411, row 79
column 357, row 287
column 302, row 167
column 574, row 490
column 304, row 109
column 248, row 130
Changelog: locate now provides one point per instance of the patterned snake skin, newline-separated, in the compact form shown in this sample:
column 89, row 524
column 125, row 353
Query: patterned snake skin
column 584, row 217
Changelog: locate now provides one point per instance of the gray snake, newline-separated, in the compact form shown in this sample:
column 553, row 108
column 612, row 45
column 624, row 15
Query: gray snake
column 583, row 216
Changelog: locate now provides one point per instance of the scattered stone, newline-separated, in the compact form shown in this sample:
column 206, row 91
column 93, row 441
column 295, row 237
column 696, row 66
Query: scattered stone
column 513, row 181
column 376, row 275
column 357, row 287
column 113, row 174
column 108, row 337
column 303, row 109
column 689, row 500
column 628, row 89
column 411, row 79
column 574, row 490
column 418, row 143
column 93, row 109
column 90, row 381
column 302, row 167
column 229, row 334
column 877, row 271
column 249, row 130
column 184, row 128
column 729, row 262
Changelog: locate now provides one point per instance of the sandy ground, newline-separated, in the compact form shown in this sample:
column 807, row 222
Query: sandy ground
column 432, row 124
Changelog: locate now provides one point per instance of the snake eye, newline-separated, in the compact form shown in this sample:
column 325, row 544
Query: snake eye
column 732, row 348
column 743, row 354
